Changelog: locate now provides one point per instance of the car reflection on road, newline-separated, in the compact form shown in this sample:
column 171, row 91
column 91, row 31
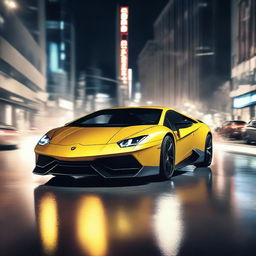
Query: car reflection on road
column 124, row 219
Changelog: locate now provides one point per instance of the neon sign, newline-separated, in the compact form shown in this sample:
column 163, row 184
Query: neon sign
column 124, row 14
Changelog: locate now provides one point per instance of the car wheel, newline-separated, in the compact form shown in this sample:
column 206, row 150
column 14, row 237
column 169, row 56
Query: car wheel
column 207, row 153
column 248, row 141
column 167, row 158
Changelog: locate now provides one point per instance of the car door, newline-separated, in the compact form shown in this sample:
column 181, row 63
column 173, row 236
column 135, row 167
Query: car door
column 185, row 140
column 254, row 130
column 251, row 130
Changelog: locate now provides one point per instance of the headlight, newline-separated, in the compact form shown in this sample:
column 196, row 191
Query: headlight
column 44, row 140
column 131, row 142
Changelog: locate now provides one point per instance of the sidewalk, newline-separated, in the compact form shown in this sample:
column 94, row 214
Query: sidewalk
column 235, row 146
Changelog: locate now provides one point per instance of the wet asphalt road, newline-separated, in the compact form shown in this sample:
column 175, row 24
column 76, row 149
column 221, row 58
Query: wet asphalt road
column 203, row 211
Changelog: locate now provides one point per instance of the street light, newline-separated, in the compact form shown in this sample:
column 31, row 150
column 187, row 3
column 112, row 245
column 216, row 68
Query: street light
column 11, row 4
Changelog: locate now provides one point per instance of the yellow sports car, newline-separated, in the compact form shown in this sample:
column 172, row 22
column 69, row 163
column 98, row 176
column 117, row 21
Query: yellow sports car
column 125, row 142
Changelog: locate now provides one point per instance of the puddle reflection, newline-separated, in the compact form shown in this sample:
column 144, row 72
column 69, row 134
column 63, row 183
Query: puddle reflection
column 111, row 221
column 48, row 223
column 91, row 226
column 168, row 226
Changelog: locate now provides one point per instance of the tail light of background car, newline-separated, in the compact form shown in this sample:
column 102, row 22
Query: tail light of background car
column 7, row 132
column 237, row 126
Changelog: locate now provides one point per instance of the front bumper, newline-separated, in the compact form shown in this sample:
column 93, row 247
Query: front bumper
column 126, row 166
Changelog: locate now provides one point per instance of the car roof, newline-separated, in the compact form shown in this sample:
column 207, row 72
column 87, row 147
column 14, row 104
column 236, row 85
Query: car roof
column 149, row 107
column 234, row 121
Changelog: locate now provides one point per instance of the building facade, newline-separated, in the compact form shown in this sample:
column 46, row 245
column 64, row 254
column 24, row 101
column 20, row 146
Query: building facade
column 146, row 63
column 186, row 61
column 22, row 66
column 32, row 13
column 60, row 48
column 243, row 59
column 176, row 65
column 80, row 93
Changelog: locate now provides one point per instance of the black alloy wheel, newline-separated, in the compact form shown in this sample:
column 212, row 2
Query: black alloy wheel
column 167, row 158
column 207, row 153
column 246, row 138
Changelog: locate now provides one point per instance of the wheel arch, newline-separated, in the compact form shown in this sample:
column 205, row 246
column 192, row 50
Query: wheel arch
column 171, row 135
column 164, row 173
column 209, row 133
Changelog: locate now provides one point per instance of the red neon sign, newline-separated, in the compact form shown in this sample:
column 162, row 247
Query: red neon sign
column 124, row 14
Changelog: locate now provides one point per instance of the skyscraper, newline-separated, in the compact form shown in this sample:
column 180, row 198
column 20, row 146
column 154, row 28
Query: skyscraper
column 60, row 47
column 188, row 56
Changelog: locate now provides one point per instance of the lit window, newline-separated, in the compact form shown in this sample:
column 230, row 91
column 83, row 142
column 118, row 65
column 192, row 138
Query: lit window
column 62, row 56
column 53, row 54
column 1, row 19
column 62, row 46
column 52, row 25
column 62, row 25
column 203, row 4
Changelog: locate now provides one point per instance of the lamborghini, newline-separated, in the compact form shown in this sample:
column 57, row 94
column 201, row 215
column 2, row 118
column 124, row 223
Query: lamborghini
column 125, row 143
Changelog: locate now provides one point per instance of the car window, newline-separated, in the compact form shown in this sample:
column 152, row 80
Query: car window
column 173, row 117
column 227, row 123
column 239, row 122
column 100, row 119
column 120, row 118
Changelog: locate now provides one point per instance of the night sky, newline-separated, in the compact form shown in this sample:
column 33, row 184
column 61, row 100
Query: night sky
column 95, row 31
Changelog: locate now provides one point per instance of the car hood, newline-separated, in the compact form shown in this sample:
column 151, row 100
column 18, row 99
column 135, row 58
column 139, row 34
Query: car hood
column 94, row 135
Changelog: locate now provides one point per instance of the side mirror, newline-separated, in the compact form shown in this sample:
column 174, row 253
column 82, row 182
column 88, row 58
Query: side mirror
column 183, row 124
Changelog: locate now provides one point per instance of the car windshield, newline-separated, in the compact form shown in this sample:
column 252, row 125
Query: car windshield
column 239, row 122
column 119, row 118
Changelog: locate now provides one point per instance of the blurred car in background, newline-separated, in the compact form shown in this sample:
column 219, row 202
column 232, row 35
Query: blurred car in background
column 249, row 132
column 231, row 129
column 8, row 136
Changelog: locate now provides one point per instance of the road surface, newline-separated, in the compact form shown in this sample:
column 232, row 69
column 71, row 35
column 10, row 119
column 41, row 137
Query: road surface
column 203, row 211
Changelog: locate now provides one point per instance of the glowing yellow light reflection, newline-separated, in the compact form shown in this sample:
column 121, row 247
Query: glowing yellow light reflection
column 48, row 223
column 133, row 222
column 123, row 224
column 91, row 226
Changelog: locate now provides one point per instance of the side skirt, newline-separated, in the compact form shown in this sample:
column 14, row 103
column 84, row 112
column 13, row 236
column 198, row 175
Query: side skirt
column 197, row 156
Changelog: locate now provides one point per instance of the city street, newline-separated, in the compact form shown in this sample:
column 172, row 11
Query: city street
column 203, row 211
column 151, row 86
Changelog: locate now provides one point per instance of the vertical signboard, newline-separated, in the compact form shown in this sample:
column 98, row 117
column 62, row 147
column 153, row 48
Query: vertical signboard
column 124, row 14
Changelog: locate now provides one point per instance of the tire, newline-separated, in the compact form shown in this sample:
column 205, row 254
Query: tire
column 248, row 141
column 167, row 158
column 246, row 138
column 207, row 153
